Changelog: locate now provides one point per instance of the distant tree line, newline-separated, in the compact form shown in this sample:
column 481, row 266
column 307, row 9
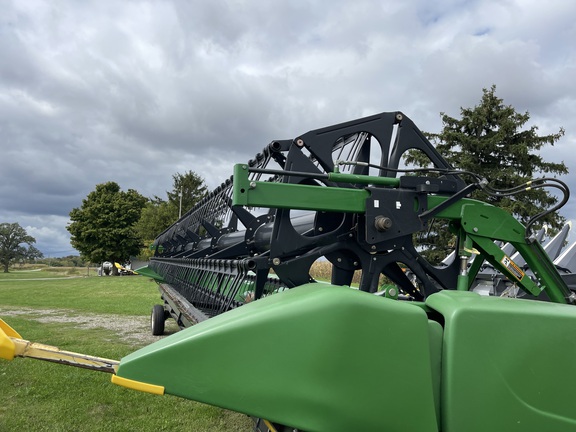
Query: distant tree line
column 67, row 261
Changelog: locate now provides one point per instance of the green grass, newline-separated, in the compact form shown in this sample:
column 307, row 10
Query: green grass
column 41, row 396
column 125, row 295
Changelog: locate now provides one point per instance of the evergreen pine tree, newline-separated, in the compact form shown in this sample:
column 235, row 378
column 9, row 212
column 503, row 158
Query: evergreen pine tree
column 491, row 140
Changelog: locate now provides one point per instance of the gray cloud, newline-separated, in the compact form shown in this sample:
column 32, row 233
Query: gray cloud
column 135, row 91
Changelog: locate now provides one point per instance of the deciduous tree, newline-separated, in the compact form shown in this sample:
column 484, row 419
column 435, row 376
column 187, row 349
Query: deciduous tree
column 33, row 254
column 15, row 244
column 102, row 227
column 159, row 214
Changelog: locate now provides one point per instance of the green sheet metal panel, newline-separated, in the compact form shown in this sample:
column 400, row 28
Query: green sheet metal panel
column 148, row 272
column 507, row 364
column 436, row 345
column 317, row 357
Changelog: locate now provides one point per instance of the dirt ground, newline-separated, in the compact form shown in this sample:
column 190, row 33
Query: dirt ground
column 134, row 330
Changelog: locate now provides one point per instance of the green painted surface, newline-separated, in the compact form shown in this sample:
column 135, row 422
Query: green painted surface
column 436, row 345
column 317, row 357
column 506, row 364
column 363, row 179
column 295, row 196
column 148, row 272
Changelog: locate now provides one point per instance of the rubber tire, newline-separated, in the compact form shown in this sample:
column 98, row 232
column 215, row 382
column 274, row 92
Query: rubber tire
column 157, row 320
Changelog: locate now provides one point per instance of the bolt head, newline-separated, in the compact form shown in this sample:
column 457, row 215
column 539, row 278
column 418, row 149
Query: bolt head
column 382, row 223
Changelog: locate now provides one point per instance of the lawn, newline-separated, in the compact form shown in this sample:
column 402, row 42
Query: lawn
column 40, row 396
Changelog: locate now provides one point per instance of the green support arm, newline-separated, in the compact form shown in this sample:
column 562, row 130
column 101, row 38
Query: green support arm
column 297, row 197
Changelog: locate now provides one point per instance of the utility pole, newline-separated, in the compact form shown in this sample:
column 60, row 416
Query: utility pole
column 180, row 211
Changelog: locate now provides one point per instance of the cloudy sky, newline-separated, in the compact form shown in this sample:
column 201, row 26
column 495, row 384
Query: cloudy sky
column 135, row 91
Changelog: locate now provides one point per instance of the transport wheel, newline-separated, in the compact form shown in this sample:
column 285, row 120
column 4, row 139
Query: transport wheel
column 157, row 320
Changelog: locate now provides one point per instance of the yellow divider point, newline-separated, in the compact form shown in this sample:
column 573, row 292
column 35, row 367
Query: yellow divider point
column 137, row 385
column 7, row 346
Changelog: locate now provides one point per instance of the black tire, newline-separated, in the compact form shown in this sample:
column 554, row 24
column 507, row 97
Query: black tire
column 157, row 320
